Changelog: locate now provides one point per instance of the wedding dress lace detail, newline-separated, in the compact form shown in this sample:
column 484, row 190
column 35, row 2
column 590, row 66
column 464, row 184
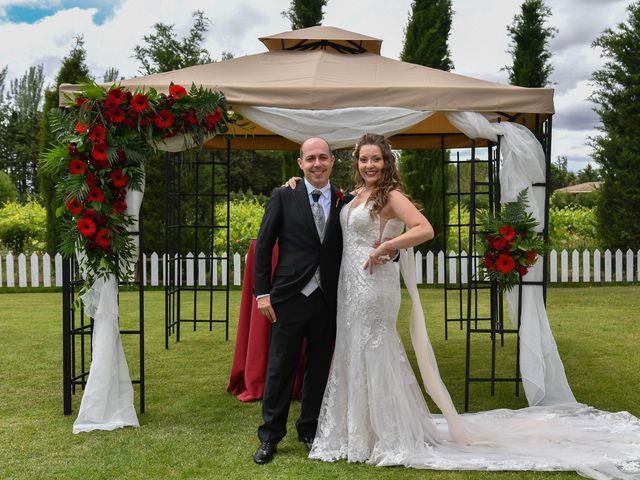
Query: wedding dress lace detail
column 373, row 410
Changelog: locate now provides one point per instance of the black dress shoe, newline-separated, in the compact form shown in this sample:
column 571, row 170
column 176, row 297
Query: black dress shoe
column 265, row 452
column 307, row 440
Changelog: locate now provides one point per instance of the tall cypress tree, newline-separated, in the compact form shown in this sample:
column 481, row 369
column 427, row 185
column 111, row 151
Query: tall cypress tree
column 73, row 70
column 305, row 13
column 529, row 45
column 617, row 149
column 427, row 43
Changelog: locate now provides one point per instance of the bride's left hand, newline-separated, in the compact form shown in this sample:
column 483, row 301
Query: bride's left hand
column 379, row 256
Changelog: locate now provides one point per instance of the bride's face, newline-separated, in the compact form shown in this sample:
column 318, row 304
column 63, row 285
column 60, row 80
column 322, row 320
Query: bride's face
column 370, row 164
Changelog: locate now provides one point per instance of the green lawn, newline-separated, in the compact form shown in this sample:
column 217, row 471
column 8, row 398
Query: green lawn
column 194, row 429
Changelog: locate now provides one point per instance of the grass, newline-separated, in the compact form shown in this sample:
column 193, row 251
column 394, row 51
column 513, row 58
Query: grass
column 194, row 429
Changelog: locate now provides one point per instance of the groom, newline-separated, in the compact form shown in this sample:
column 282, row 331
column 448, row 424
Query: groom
column 300, row 299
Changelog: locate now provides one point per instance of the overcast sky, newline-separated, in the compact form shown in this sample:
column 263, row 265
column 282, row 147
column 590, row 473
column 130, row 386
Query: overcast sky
column 41, row 32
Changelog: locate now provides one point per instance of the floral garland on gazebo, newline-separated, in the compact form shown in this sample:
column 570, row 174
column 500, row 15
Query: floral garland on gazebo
column 102, row 140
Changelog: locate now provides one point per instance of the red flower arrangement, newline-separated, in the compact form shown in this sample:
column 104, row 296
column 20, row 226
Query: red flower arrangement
column 103, row 136
column 509, row 243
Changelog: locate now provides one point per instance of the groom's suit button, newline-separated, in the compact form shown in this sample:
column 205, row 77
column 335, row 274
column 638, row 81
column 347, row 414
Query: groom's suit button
column 265, row 452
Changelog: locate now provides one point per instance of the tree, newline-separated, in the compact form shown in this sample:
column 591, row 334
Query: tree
column 305, row 13
column 73, row 70
column 3, row 78
column 616, row 149
column 18, row 151
column 164, row 52
column 111, row 75
column 588, row 174
column 560, row 174
column 529, row 45
column 424, row 173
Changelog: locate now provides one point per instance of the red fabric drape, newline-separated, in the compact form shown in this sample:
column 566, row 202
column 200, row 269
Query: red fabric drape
column 252, row 342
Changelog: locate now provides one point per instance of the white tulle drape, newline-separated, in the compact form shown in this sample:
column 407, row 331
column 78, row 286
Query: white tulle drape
column 107, row 402
column 523, row 164
column 340, row 127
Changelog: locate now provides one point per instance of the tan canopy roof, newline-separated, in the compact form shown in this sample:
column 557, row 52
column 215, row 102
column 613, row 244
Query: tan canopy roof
column 331, row 38
column 304, row 70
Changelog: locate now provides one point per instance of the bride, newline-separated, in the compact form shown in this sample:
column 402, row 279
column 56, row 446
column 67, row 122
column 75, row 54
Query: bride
column 373, row 410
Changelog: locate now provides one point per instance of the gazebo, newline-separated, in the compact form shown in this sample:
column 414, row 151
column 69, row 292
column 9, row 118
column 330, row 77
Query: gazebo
column 334, row 83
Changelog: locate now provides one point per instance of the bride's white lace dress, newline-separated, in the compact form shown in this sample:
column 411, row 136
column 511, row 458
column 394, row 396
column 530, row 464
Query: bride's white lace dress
column 373, row 409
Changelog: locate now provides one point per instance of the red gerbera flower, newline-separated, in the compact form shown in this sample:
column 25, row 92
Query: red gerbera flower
column 190, row 117
column 505, row 263
column 80, row 101
column 74, row 206
column 116, row 116
column 102, row 238
column 531, row 257
column 214, row 118
column 489, row 263
column 177, row 91
column 163, row 119
column 498, row 244
column 97, row 133
column 115, row 98
column 507, row 232
column 101, row 219
column 77, row 167
column 119, row 206
column 89, row 213
column 95, row 195
column 86, row 227
column 99, row 151
column 139, row 102
column 81, row 127
column 91, row 179
column 119, row 179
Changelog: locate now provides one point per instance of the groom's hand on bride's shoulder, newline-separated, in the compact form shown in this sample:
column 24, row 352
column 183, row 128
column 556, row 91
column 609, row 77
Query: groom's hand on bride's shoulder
column 292, row 182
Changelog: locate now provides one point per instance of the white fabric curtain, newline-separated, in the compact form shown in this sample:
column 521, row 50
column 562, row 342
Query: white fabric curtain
column 107, row 402
column 340, row 127
column 523, row 164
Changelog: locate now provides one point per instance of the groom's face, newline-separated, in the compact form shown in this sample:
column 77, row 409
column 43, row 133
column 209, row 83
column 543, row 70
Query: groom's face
column 316, row 161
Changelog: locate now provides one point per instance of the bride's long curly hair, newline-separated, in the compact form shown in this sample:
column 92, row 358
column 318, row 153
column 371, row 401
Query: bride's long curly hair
column 390, row 178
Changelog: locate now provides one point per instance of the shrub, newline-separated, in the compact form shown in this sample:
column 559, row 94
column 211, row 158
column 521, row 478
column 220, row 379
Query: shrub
column 563, row 199
column 246, row 216
column 8, row 191
column 573, row 227
column 22, row 226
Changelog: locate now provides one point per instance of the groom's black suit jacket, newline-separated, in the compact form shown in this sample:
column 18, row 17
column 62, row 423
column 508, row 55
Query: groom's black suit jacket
column 288, row 219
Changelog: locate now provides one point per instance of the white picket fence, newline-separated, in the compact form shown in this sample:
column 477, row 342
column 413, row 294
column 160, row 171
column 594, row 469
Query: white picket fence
column 572, row 267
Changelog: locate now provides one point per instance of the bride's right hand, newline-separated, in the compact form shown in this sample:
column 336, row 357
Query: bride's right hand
column 292, row 182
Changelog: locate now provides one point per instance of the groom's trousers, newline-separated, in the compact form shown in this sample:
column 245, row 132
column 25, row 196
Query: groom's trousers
column 297, row 318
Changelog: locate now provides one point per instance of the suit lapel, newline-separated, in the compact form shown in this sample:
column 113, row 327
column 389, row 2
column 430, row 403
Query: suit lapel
column 304, row 207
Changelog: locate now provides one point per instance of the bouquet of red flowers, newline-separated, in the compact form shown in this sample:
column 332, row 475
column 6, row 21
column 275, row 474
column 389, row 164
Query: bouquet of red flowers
column 509, row 243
